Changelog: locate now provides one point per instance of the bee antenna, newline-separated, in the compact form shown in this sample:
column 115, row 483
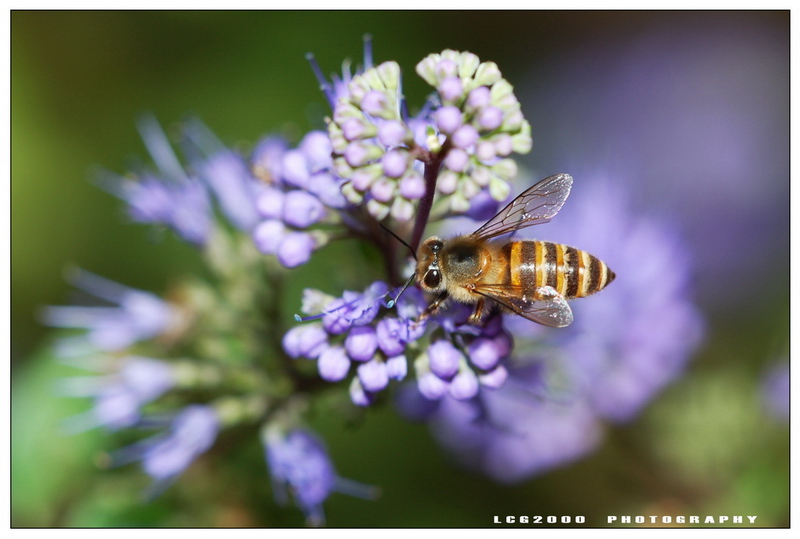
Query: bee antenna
column 393, row 302
column 401, row 240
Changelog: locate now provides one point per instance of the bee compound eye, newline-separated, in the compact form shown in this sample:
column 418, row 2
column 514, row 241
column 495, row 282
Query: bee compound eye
column 432, row 278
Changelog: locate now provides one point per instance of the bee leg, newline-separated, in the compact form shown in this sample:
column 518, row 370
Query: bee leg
column 433, row 307
column 477, row 314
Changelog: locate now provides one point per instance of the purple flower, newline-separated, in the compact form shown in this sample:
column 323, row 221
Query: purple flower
column 721, row 169
column 300, row 465
column 374, row 375
column 193, row 431
column 510, row 435
column 301, row 191
column 354, row 309
column 333, row 364
column 444, row 359
column 775, row 392
column 136, row 315
column 302, row 209
column 119, row 397
column 175, row 197
column 356, row 330
column 165, row 456
column 338, row 87
column 234, row 186
column 184, row 206
column 376, row 145
column 308, row 340
column 295, row 248
column 268, row 236
column 361, row 343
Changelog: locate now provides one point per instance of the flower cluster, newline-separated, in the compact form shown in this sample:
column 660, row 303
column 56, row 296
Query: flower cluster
column 221, row 353
column 384, row 341
column 297, row 192
column 475, row 124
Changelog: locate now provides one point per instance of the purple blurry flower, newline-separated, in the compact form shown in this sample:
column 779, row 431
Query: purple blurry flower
column 234, row 186
column 333, row 364
column 448, row 119
column 270, row 202
column 338, row 87
column 119, row 397
column 775, row 392
column 183, row 206
column 136, row 316
column 308, row 340
column 374, row 375
column 464, row 385
column 266, row 159
column 720, row 166
column 511, row 435
column 193, row 432
column 295, row 248
column 444, row 359
column 268, row 236
column 302, row 209
column 397, row 367
column 299, row 464
column 301, row 191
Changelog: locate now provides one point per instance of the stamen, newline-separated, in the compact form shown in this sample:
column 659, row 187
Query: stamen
column 324, row 85
column 160, row 149
column 367, row 51
column 356, row 489
column 96, row 285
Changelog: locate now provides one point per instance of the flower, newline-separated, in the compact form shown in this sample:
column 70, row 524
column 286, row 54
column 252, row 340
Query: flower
column 299, row 464
column 172, row 197
column 120, row 396
column 474, row 127
column 357, row 329
column 775, row 392
column 298, row 191
column 192, row 431
column 137, row 316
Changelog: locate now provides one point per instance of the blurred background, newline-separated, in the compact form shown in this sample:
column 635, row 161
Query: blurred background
column 689, row 109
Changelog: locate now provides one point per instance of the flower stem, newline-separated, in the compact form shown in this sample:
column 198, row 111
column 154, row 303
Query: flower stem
column 431, row 174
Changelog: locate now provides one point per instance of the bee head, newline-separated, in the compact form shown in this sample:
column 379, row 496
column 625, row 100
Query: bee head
column 429, row 271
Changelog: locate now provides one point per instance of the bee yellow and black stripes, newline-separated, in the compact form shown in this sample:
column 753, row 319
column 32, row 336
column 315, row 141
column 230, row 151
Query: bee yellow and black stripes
column 569, row 271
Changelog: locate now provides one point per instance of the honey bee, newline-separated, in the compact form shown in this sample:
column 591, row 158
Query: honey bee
column 530, row 278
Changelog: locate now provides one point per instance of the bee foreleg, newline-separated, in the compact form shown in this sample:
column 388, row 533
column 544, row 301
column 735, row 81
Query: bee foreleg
column 477, row 314
column 434, row 306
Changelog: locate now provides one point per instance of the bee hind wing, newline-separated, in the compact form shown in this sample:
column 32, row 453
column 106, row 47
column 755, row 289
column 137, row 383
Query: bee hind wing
column 546, row 307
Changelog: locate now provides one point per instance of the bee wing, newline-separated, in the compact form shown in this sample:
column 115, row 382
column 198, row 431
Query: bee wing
column 534, row 206
column 546, row 307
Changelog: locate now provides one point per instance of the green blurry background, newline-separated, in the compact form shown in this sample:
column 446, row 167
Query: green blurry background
column 79, row 80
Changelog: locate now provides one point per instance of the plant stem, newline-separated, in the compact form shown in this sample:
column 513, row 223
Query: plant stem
column 431, row 174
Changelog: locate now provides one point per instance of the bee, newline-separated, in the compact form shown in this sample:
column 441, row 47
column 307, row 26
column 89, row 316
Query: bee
column 533, row 279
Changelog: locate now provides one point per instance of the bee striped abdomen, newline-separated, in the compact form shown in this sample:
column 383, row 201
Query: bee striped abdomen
column 571, row 272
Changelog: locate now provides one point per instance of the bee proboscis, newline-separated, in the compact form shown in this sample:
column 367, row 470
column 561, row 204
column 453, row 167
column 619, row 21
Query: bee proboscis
column 528, row 277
